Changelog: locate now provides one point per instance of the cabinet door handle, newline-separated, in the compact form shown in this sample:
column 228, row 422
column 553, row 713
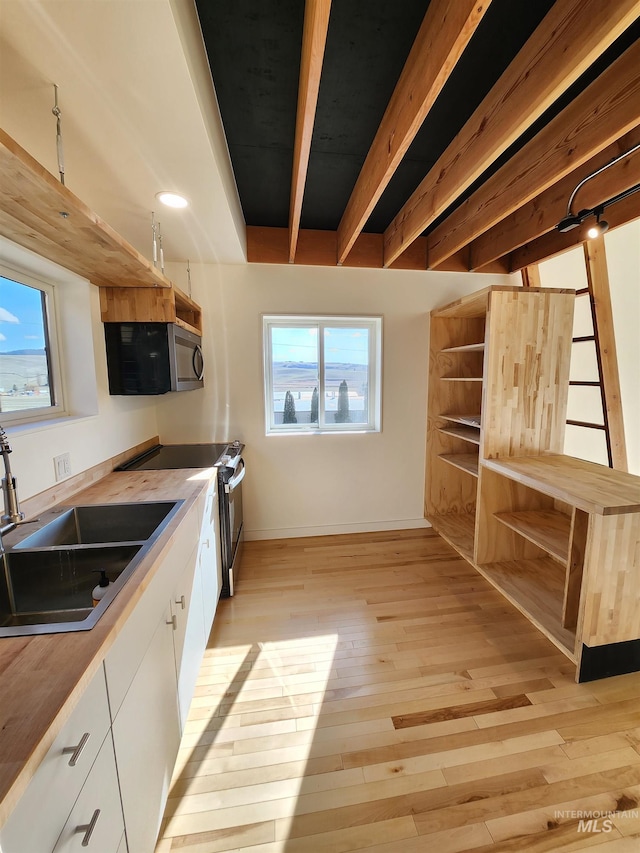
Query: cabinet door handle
column 181, row 601
column 173, row 621
column 76, row 750
column 88, row 828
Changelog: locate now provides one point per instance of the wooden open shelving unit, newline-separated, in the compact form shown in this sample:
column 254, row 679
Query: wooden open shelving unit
column 557, row 536
column 485, row 400
column 145, row 305
column 41, row 214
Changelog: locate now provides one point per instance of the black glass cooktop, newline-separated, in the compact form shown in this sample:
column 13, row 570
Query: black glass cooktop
column 176, row 456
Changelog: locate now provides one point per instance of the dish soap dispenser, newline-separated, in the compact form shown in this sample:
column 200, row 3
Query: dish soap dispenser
column 101, row 588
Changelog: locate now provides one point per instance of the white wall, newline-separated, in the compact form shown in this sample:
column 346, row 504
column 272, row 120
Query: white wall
column 308, row 484
column 622, row 247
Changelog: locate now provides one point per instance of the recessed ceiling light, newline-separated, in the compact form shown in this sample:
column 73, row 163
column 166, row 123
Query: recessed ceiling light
column 172, row 199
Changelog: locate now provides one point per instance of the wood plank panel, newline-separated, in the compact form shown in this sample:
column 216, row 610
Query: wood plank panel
column 575, row 567
column 571, row 36
column 611, row 612
column 598, row 278
column 602, row 113
column 525, row 392
column 442, row 37
column 314, row 37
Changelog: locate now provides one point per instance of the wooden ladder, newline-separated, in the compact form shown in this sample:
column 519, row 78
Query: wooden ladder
column 598, row 292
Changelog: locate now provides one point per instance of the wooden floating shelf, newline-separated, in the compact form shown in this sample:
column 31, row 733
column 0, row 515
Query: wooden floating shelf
column 43, row 215
column 465, row 348
column 465, row 461
column 466, row 433
column 548, row 530
column 536, row 588
column 462, row 378
column 458, row 529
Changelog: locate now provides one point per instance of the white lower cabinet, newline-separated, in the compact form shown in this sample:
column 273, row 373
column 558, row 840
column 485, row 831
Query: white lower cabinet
column 134, row 710
column 146, row 735
column 189, row 638
column 95, row 823
column 209, row 559
column 42, row 812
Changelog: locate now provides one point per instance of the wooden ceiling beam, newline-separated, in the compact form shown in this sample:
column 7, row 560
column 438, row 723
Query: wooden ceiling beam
column 314, row 38
column 444, row 33
column 543, row 213
column 267, row 245
column 570, row 38
column 604, row 111
column 556, row 242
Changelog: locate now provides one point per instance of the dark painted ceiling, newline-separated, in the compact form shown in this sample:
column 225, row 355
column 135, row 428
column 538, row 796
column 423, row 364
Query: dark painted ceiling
column 254, row 53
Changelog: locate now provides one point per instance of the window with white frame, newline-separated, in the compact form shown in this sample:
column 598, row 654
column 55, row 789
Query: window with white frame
column 322, row 374
column 29, row 366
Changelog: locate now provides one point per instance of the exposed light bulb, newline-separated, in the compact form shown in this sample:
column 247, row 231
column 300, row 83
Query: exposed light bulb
column 172, row 199
column 593, row 232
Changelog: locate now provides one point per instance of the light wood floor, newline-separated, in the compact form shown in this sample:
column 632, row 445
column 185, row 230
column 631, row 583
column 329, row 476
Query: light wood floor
column 371, row 692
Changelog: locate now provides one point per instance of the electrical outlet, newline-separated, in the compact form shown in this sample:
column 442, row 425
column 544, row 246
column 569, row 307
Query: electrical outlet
column 62, row 465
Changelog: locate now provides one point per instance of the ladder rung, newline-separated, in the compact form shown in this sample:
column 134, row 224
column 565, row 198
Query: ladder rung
column 582, row 291
column 586, row 425
column 583, row 338
column 590, row 384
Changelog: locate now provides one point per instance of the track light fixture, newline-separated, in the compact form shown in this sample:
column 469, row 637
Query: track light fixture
column 599, row 226
column 573, row 220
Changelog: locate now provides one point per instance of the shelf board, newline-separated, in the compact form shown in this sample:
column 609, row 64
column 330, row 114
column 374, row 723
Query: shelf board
column 466, row 433
column 467, row 420
column 465, row 348
column 547, row 529
column 461, row 378
column 536, row 588
column 585, row 485
column 458, row 530
column 465, row 461
column 32, row 202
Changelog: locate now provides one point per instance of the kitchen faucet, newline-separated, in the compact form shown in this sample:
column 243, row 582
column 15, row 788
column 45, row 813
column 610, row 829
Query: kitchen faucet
column 12, row 514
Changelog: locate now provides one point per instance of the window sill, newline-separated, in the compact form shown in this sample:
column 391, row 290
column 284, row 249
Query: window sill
column 30, row 427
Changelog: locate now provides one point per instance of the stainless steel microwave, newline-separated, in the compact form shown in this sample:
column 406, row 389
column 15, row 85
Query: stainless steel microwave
column 152, row 358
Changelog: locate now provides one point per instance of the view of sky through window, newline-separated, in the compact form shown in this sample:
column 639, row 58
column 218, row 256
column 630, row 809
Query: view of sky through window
column 24, row 370
column 300, row 394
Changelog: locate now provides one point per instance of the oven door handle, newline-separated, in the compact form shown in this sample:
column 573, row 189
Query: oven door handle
column 235, row 480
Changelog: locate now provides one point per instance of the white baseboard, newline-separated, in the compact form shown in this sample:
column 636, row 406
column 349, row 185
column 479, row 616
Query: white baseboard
column 332, row 529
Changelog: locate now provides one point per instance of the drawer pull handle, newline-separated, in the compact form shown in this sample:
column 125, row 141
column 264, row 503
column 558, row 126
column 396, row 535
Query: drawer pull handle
column 88, row 828
column 181, row 601
column 173, row 621
column 76, row 750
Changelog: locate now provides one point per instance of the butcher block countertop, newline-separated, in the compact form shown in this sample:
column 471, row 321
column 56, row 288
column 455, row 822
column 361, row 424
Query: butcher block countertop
column 43, row 677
